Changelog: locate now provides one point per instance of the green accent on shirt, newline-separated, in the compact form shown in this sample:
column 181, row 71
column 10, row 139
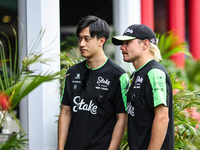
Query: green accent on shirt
column 63, row 86
column 98, row 67
column 128, row 85
column 157, row 80
column 143, row 65
column 123, row 82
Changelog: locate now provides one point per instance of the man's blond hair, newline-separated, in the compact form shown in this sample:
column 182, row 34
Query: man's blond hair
column 156, row 52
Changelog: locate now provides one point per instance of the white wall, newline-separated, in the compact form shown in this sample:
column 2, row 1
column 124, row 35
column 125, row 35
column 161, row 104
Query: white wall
column 39, row 108
column 126, row 13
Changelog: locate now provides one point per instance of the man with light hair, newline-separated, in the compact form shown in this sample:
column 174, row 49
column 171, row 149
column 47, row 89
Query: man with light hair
column 149, row 96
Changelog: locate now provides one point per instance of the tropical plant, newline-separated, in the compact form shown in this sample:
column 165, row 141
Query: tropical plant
column 169, row 44
column 68, row 42
column 16, row 83
column 124, row 142
column 67, row 61
column 190, row 74
column 186, row 126
column 70, row 58
column 15, row 142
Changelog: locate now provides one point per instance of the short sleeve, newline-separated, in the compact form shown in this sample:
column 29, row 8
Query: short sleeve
column 157, row 80
column 64, row 98
column 123, row 83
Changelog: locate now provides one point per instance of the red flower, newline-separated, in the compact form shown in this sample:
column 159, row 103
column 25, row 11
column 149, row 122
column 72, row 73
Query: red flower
column 4, row 101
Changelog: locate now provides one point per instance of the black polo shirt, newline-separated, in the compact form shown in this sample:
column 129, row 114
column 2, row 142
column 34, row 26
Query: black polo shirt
column 151, row 87
column 95, row 97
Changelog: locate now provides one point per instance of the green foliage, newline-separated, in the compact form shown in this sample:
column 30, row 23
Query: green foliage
column 17, row 83
column 68, row 43
column 15, row 142
column 21, row 82
column 124, row 142
column 70, row 58
column 169, row 44
column 67, row 61
column 186, row 135
column 192, row 71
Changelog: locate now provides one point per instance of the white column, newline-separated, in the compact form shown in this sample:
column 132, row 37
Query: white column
column 126, row 12
column 39, row 109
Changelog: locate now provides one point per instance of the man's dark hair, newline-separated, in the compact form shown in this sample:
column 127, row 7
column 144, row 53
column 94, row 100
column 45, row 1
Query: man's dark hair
column 98, row 27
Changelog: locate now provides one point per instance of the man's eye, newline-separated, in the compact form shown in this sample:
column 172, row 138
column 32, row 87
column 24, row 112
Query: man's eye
column 79, row 39
column 87, row 39
column 126, row 42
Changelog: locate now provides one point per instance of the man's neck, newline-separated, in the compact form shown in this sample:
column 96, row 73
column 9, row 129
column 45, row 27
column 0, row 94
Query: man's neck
column 141, row 62
column 94, row 63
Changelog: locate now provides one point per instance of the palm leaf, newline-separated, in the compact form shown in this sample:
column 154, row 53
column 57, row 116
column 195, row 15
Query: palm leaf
column 187, row 136
column 166, row 42
column 4, row 68
column 29, row 83
column 18, row 83
column 15, row 142
column 124, row 142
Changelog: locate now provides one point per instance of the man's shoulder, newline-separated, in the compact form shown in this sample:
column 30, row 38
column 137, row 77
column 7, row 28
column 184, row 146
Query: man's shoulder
column 156, row 65
column 156, row 68
column 115, row 67
column 77, row 67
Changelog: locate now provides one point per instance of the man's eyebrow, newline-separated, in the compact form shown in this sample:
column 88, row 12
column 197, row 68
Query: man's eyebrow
column 84, row 36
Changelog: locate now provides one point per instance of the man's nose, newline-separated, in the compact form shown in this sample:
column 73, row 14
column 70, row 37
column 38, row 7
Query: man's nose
column 81, row 43
column 122, row 47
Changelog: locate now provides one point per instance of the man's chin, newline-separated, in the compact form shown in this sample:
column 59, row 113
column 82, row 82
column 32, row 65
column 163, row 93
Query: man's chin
column 126, row 60
column 83, row 55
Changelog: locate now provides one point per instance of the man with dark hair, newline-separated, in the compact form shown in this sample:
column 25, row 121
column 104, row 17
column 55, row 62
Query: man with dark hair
column 149, row 97
column 93, row 114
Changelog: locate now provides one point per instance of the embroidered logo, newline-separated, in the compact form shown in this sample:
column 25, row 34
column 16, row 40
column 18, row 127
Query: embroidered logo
column 80, row 105
column 152, row 40
column 138, row 82
column 128, row 30
column 101, row 80
column 78, row 76
column 77, row 79
column 75, row 86
column 102, row 83
column 139, row 79
column 130, row 109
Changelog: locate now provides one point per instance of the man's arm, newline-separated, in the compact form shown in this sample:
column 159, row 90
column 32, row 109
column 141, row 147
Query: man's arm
column 159, row 127
column 118, row 132
column 63, row 126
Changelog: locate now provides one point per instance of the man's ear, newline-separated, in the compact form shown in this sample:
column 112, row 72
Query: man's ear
column 146, row 44
column 102, row 40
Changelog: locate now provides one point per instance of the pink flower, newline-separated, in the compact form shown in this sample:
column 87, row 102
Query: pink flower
column 175, row 91
column 194, row 114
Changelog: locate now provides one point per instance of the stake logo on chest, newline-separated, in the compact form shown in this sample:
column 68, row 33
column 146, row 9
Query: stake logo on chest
column 138, row 82
column 102, row 84
column 81, row 105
